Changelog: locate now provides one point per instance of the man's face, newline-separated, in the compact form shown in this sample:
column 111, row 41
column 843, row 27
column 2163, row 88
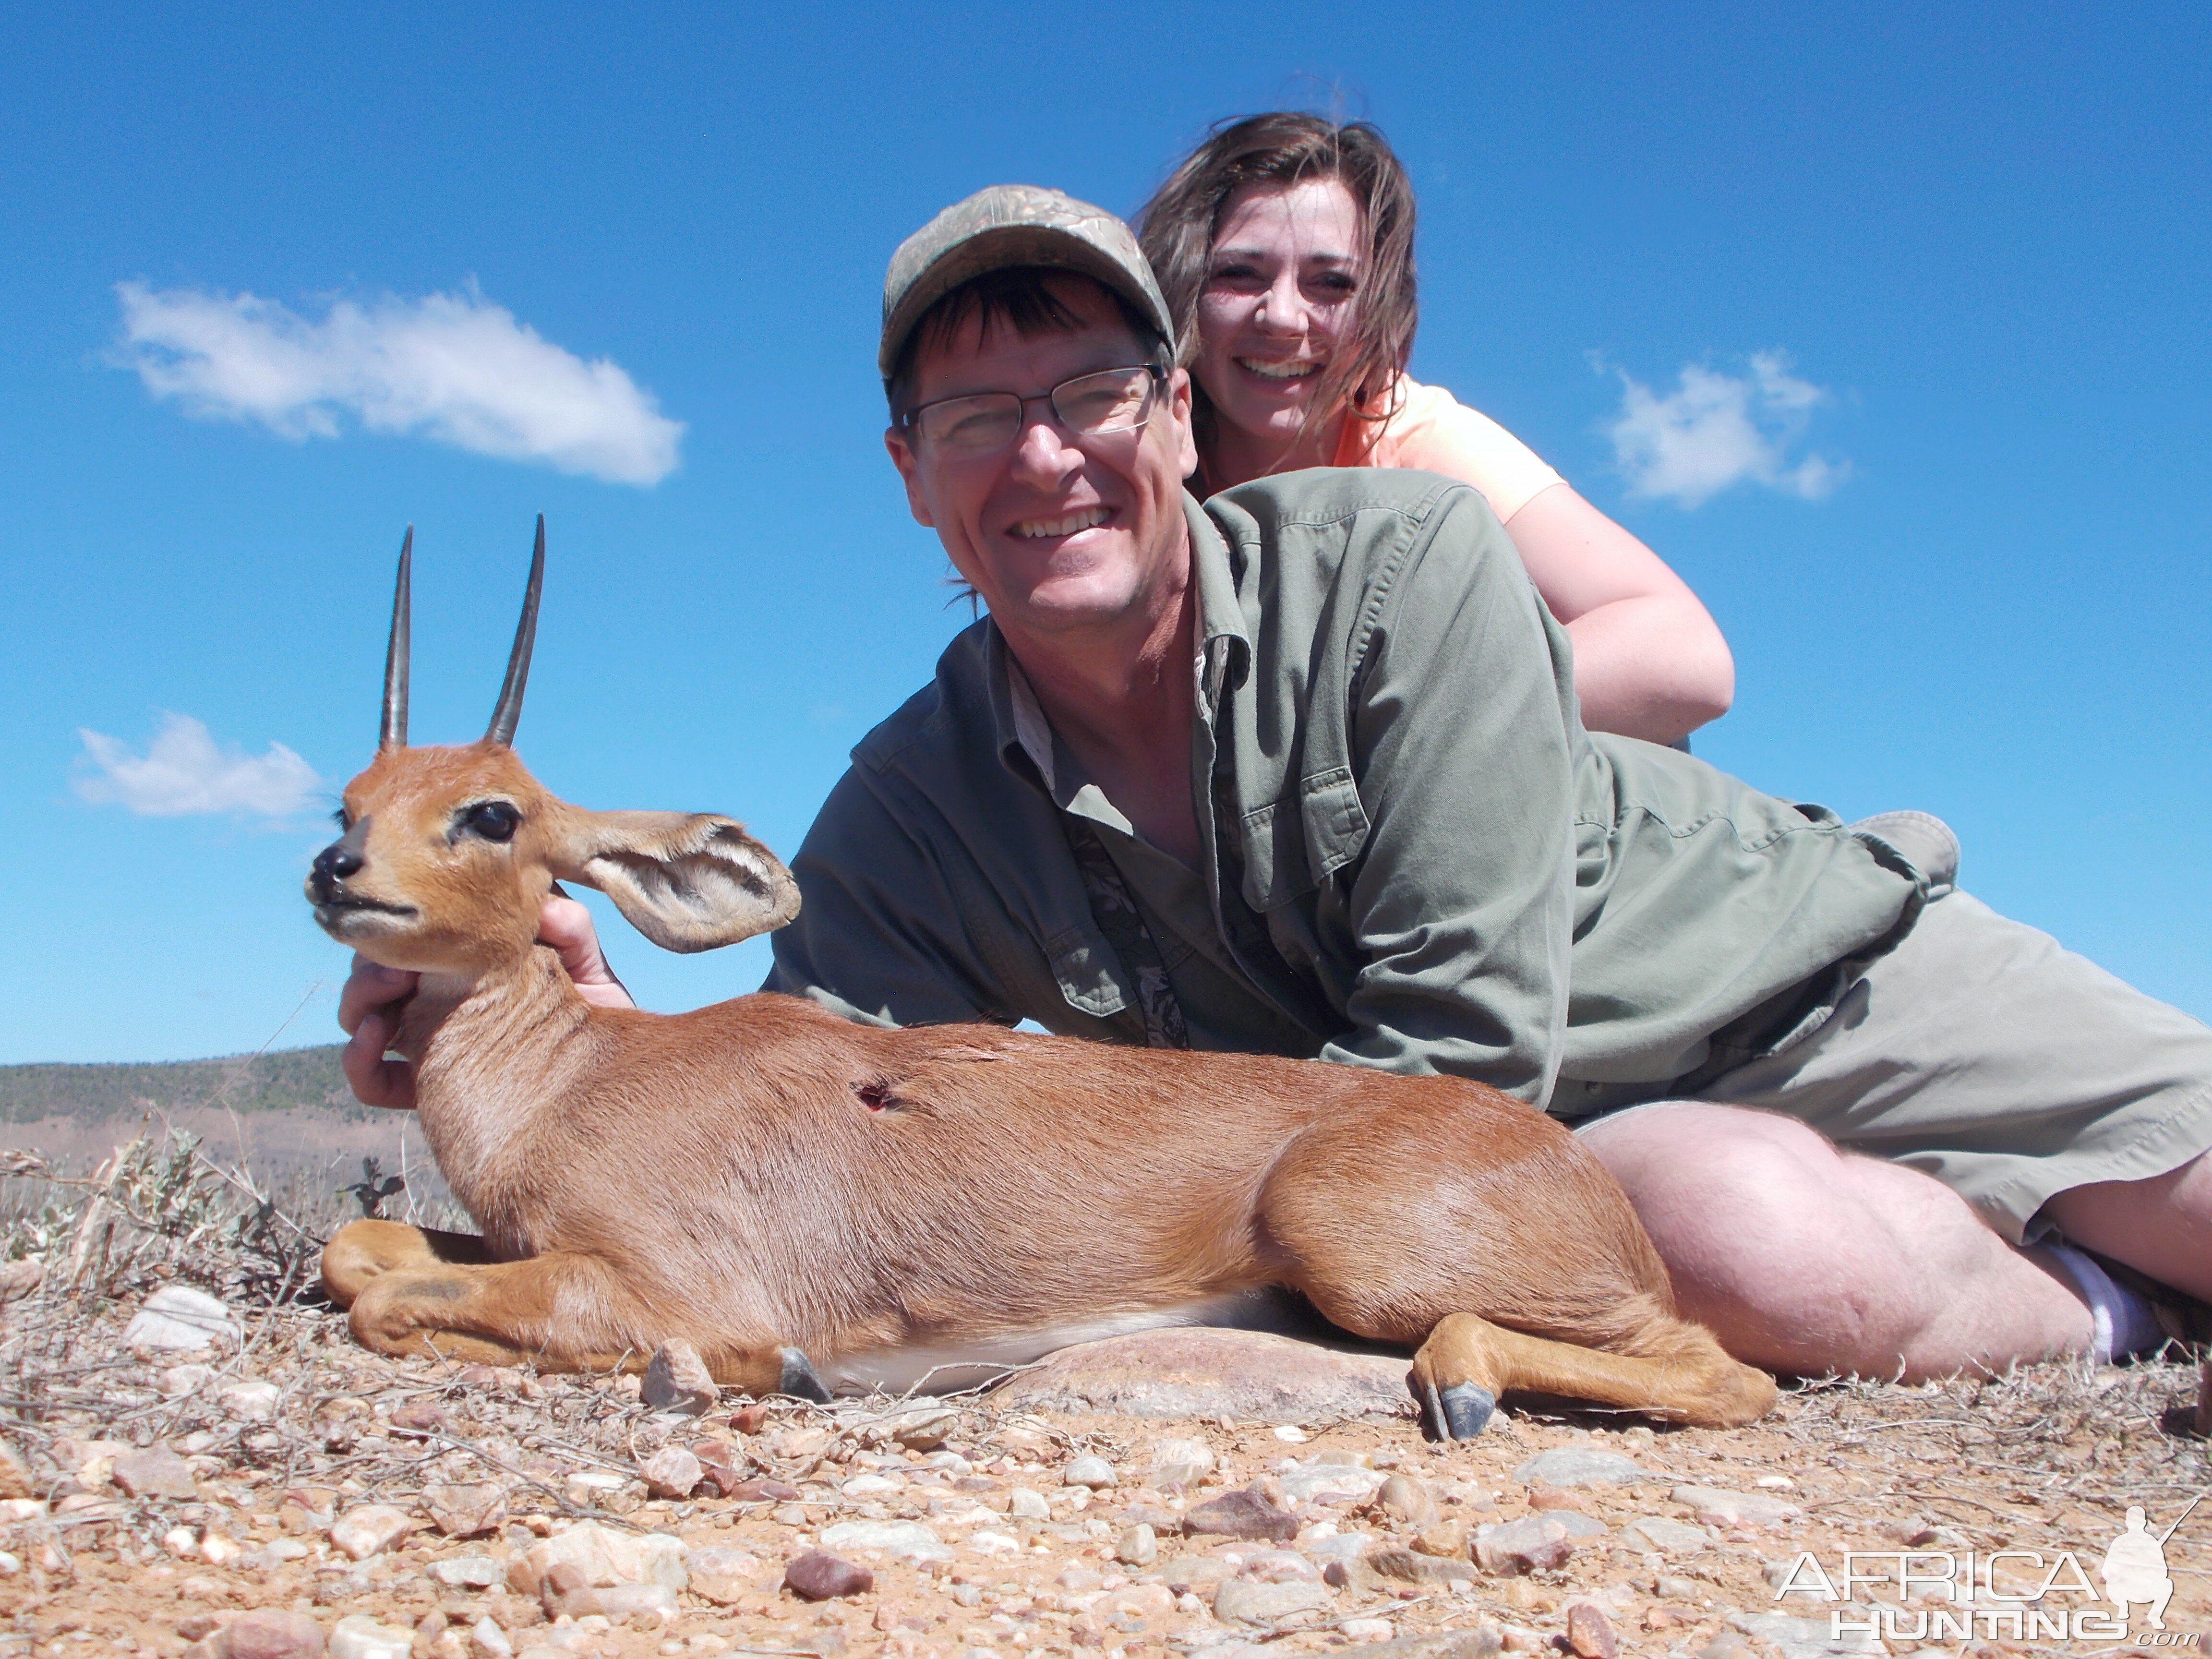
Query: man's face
column 1059, row 533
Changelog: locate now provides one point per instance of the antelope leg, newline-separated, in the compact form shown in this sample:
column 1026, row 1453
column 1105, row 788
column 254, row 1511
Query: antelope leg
column 361, row 1251
column 1683, row 1375
column 561, row 1312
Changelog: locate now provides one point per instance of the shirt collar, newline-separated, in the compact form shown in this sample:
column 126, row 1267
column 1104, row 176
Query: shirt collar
column 1032, row 730
column 1222, row 633
column 1019, row 725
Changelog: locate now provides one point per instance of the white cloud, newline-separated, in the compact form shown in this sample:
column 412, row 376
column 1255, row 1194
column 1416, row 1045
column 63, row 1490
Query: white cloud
column 183, row 771
column 450, row 366
column 1715, row 431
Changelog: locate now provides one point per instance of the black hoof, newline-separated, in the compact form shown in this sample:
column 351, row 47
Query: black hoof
column 800, row 1381
column 1459, row 1412
column 1468, row 1409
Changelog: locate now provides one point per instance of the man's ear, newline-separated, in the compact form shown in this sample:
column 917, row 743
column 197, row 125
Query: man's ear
column 688, row 881
column 909, row 471
column 1179, row 412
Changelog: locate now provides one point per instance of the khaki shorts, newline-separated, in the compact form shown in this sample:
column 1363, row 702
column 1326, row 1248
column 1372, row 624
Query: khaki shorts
column 1981, row 1052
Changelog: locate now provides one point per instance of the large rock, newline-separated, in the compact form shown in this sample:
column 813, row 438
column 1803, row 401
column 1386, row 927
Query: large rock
column 1479, row 1643
column 1278, row 1567
column 1535, row 1542
column 564, row 1591
column 1589, row 1633
column 1406, row 1566
column 1656, row 1532
column 1580, row 1466
column 720, row 1574
column 181, row 1319
column 1716, row 1506
column 468, row 1572
column 250, row 1402
column 1092, row 1472
column 604, row 1559
column 1447, row 1540
column 1405, row 1500
column 1246, row 1514
column 1248, row 1601
column 819, row 1576
column 359, row 1637
column 268, row 1635
column 370, row 1528
column 1196, row 1575
column 19, row 1278
column 465, row 1511
column 671, row 1472
column 925, row 1428
column 907, row 1540
column 677, row 1380
column 1809, row 1638
column 1330, row 1483
column 1179, row 1462
column 157, row 1472
column 1195, row 1371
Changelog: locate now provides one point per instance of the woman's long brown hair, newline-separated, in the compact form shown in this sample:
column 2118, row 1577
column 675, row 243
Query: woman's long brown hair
column 1177, row 226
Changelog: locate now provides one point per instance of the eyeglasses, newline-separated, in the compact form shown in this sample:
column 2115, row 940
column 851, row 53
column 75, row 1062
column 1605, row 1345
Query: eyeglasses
column 1088, row 405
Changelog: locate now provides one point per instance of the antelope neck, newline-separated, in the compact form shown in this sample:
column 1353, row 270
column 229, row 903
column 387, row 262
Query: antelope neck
column 504, row 1058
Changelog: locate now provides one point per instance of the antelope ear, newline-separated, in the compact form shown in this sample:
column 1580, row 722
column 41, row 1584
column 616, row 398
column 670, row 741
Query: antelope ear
column 688, row 881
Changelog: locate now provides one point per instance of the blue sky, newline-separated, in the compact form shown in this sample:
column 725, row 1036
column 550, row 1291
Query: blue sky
column 1980, row 232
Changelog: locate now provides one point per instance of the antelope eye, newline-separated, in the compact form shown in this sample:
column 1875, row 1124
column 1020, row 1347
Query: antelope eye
column 494, row 820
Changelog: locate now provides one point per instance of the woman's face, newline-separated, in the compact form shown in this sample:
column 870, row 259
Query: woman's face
column 1281, row 294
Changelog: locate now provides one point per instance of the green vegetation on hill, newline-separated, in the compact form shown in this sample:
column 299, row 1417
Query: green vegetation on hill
column 263, row 1083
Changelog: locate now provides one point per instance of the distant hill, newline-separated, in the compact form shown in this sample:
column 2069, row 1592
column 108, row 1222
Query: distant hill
column 289, row 1115
column 258, row 1083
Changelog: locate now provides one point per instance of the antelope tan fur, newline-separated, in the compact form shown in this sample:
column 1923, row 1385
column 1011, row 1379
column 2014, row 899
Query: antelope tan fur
column 788, row 1191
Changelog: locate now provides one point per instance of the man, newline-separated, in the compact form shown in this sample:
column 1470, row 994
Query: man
column 1300, row 771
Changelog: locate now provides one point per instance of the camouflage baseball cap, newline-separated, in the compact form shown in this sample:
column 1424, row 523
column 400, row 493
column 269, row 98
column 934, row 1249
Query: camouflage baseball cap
column 1012, row 225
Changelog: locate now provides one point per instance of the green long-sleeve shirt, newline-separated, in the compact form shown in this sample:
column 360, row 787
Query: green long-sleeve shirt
column 1418, row 858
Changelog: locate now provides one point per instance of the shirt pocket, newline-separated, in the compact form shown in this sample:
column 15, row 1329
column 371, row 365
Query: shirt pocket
column 1089, row 971
column 1290, row 847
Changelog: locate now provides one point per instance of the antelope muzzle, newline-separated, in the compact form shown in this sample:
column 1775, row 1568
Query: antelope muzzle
column 337, row 905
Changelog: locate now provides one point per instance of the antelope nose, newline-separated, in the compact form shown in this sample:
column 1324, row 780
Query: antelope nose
column 335, row 862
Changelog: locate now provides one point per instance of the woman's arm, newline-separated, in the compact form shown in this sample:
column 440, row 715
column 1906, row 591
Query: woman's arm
column 1650, row 661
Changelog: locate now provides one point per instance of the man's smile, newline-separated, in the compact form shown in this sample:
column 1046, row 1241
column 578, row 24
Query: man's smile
column 1068, row 525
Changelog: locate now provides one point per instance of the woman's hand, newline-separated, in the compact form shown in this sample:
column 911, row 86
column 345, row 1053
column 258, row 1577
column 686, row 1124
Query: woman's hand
column 566, row 925
column 374, row 998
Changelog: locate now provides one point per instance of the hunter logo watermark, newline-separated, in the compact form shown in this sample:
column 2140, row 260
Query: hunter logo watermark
column 2017, row 1595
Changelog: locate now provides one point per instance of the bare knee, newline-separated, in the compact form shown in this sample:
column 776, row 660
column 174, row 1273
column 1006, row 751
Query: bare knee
column 1720, row 1185
column 1803, row 1258
column 1767, row 1236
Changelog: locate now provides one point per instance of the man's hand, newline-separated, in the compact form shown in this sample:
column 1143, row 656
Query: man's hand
column 368, row 1013
column 370, row 1006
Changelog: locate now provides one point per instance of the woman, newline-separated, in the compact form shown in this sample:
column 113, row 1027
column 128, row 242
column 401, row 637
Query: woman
column 1285, row 246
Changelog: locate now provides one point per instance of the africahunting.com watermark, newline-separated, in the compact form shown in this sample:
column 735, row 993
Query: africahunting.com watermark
column 2008, row 1595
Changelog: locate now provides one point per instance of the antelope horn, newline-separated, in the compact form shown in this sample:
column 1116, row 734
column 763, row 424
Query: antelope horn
column 394, row 734
column 508, row 713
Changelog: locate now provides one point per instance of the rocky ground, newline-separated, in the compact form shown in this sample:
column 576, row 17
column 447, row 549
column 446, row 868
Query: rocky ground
column 195, row 1459
column 281, row 1493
